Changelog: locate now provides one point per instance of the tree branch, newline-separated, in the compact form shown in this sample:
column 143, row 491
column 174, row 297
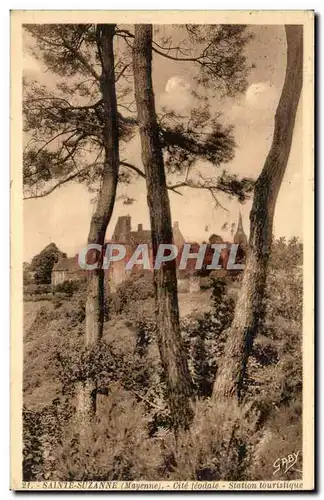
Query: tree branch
column 122, row 72
column 132, row 167
column 139, row 172
column 128, row 34
column 81, row 58
column 49, row 191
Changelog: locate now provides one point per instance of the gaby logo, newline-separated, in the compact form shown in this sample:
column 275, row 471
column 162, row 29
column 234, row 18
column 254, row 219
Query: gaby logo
column 115, row 252
column 284, row 464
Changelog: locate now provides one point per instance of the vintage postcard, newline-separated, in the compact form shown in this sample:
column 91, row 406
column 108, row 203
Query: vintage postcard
column 162, row 181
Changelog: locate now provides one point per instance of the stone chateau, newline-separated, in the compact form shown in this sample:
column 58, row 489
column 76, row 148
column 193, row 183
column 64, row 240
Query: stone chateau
column 68, row 268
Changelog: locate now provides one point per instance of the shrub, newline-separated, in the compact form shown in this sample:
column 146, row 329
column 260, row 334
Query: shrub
column 134, row 289
column 68, row 287
column 104, row 364
column 40, row 289
column 32, row 446
column 42, row 434
column 132, row 437
column 118, row 449
column 217, row 446
column 279, row 438
column 42, row 264
column 205, row 283
column 205, row 337
column 37, row 298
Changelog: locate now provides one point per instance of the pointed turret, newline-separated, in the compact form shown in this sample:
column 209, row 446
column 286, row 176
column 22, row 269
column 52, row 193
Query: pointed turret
column 240, row 223
column 240, row 236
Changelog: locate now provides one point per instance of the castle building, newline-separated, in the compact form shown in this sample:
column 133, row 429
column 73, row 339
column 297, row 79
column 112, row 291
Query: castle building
column 123, row 234
column 68, row 268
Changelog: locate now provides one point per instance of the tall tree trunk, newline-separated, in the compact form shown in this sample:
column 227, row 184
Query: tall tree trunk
column 249, row 310
column 105, row 204
column 172, row 352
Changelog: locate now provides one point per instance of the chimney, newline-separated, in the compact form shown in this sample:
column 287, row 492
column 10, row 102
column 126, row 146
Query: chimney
column 140, row 228
column 127, row 224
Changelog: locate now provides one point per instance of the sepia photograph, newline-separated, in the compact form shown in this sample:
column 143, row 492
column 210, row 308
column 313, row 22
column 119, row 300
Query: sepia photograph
column 162, row 184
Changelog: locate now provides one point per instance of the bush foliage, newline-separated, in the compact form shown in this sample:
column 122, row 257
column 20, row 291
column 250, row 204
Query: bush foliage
column 42, row 264
column 131, row 437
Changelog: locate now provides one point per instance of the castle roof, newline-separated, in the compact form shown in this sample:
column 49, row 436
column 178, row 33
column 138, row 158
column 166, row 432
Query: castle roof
column 215, row 238
column 67, row 264
column 123, row 233
column 139, row 237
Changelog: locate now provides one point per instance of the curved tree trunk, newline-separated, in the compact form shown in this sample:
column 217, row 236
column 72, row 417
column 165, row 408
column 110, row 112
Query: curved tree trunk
column 249, row 310
column 172, row 352
column 107, row 194
column 86, row 392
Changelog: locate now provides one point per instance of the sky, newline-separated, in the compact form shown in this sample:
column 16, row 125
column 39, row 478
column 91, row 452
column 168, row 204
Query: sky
column 64, row 216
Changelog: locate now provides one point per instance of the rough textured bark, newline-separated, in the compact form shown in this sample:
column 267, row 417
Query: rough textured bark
column 107, row 194
column 104, row 209
column 172, row 352
column 249, row 310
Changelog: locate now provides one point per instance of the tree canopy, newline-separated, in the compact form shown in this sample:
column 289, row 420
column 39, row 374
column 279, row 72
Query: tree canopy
column 42, row 264
column 64, row 124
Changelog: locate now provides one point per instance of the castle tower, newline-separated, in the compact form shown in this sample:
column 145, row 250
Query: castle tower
column 178, row 238
column 122, row 229
column 215, row 239
column 240, row 236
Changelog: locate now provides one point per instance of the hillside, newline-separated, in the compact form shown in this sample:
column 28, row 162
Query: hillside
column 133, row 438
column 45, row 328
